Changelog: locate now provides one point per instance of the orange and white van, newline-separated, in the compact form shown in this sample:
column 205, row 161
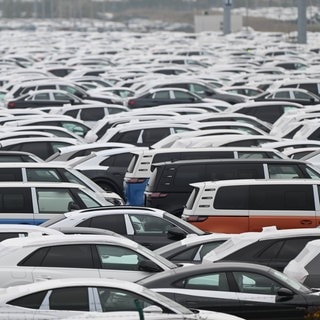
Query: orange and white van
column 235, row 206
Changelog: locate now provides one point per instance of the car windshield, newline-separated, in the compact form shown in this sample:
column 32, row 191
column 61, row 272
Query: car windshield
column 291, row 282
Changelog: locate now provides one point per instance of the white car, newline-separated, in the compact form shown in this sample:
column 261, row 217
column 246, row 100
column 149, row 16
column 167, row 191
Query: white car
column 94, row 298
column 31, row 259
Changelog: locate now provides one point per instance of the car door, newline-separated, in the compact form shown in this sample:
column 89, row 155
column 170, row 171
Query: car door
column 259, row 300
column 61, row 261
column 150, row 231
column 208, row 291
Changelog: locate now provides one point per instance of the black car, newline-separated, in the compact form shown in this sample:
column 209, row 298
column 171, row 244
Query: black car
column 204, row 90
column 246, row 290
column 162, row 96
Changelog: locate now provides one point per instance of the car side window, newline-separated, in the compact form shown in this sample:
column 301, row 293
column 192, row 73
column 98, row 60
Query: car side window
column 68, row 256
column 278, row 171
column 232, row 197
column 72, row 298
column 281, row 197
column 92, row 114
column 213, row 281
column 113, row 299
column 39, row 174
column 47, row 200
column 10, row 174
column 31, row 301
column 118, row 258
column 144, row 224
column 249, row 282
column 113, row 222
column 14, row 200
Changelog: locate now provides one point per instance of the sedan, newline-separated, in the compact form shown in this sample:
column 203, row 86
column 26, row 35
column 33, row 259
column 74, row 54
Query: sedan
column 247, row 290
column 156, row 97
column 79, row 297
column 152, row 228
column 43, row 98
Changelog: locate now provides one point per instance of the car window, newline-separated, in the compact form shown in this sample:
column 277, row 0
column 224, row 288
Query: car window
column 61, row 256
column 42, row 174
column 118, row 258
column 213, row 281
column 144, row 224
column 113, row 299
column 59, row 96
column 127, row 137
column 119, row 160
column 196, row 253
column 161, row 95
column 16, row 200
column 249, row 282
column 151, row 136
column 76, row 128
column 92, row 114
column 88, row 201
column 31, row 301
column 281, row 197
column 57, row 200
column 73, row 298
column 41, row 96
column 40, row 149
column 113, row 222
column 10, row 174
column 278, row 171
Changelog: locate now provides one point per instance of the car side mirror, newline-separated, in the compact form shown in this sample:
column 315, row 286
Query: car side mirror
column 284, row 294
column 175, row 233
column 152, row 309
column 148, row 266
column 73, row 206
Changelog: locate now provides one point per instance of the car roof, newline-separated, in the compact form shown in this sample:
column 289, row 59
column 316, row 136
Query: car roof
column 65, row 239
column 240, row 241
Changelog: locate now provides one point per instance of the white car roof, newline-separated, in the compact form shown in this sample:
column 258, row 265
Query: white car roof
column 242, row 240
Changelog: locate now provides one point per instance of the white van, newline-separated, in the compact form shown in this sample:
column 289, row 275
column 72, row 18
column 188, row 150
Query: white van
column 235, row 206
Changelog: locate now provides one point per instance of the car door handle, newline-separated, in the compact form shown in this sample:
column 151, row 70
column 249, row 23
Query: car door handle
column 306, row 222
column 42, row 278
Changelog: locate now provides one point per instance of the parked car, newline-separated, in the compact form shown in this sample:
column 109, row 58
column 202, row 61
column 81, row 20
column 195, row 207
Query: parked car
column 106, row 168
column 271, row 247
column 304, row 267
column 36, row 202
column 139, row 169
column 150, row 227
column 169, row 185
column 18, row 156
column 192, row 248
column 11, row 230
column 31, row 259
column 40, row 147
column 52, row 172
column 94, row 298
column 250, row 291
column 161, row 96
column 249, row 205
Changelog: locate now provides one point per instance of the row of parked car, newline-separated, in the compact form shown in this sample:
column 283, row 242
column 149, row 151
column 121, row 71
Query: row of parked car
column 126, row 164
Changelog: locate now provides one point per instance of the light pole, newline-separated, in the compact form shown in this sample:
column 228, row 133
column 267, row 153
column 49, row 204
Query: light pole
column 227, row 17
column 302, row 21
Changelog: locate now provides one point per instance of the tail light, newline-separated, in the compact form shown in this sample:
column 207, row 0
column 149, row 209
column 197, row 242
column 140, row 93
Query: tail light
column 11, row 104
column 135, row 180
column 196, row 218
column 157, row 195
column 131, row 103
